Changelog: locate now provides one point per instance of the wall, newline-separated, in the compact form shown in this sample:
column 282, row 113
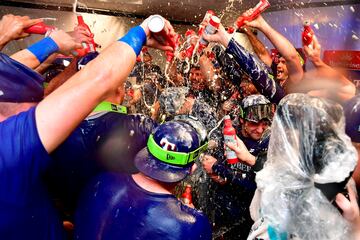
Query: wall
column 338, row 27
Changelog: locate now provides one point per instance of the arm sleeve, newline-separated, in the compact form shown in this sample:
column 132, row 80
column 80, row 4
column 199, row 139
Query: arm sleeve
column 260, row 74
column 232, row 176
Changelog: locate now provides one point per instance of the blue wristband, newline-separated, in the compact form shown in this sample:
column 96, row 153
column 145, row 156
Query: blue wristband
column 43, row 48
column 135, row 38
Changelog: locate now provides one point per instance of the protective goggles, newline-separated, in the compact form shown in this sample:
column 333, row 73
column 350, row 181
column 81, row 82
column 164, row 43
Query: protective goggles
column 257, row 113
column 175, row 158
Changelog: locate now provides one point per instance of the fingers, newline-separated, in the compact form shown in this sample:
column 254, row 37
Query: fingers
column 82, row 30
column 232, row 146
column 155, row 44
column 239, row 141
column 316, row 43
column 211, row 38
column 343, row 202
column 77, row 46
column 352, row 195
column 29, row 22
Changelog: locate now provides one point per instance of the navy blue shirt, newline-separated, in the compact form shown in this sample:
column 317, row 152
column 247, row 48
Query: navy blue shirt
column 101, row 142
column 115, row 207
column 26, row 211
column 259, row 73
column 232, row 200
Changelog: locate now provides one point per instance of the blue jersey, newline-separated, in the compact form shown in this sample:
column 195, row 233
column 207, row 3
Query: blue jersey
column 26, row 211
column 232, row 200
column 259, row 73
column 115, row 207
column 106, row 141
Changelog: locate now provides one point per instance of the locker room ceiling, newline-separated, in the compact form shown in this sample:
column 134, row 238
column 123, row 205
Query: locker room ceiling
column 182, row 11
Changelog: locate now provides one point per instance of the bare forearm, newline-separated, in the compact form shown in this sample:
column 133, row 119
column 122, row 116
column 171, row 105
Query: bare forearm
column 48, row 62
column 287, row 51
column 27, row 58
column 259, row 48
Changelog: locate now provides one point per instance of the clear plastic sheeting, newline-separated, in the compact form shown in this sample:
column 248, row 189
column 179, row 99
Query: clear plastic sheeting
column 310, row 159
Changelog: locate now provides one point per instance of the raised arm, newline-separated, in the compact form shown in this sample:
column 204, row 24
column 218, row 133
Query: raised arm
column 258, row 47
column 285, row 48
column 335, row 85
column 12, row 28
column 38, row 54
column 59, row 113
column 259, row 73
column 58, row 41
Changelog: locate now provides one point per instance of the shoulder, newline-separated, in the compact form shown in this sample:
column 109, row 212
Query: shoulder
column 21, row 130
column 199, row 225
column 102, row 189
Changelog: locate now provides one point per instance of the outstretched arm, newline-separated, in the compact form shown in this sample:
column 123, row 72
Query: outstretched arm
column 285, row 48
column 12, row 28
column 258, row 47
column 335, row 85
column 60, row 113
column 257, row 71
column 37, row 54
column 58, row 41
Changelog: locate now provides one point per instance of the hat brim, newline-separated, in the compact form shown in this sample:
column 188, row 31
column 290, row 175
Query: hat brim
column 156, row 169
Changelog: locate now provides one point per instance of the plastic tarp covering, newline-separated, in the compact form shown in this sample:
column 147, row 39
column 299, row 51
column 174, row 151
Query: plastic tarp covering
column 308, row 150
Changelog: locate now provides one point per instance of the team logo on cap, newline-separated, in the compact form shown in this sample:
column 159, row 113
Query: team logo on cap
column 166, row 145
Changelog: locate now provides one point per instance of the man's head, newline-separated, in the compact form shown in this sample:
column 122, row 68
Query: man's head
column 257, row 114
column 197, row 79
column 280, row 68
column 171, row 151
column 282, row 73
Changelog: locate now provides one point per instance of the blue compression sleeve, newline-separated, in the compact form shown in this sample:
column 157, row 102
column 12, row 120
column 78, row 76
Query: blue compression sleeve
column 43, row 48
column 135, row 38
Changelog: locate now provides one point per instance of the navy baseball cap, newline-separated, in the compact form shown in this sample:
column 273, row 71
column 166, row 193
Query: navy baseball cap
column 352, row 118
column 18, row 83
column 86, row 59
column 171, row 151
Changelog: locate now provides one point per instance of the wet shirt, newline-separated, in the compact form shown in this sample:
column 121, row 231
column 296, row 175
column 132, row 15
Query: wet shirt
column 115, row 207
column 259, row 73
column 26, row 211
column 106, row 141
column 232, row 200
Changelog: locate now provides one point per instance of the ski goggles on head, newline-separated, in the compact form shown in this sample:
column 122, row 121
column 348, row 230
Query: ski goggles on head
column 195, row 123
column 171, row 157
column 258, row 112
